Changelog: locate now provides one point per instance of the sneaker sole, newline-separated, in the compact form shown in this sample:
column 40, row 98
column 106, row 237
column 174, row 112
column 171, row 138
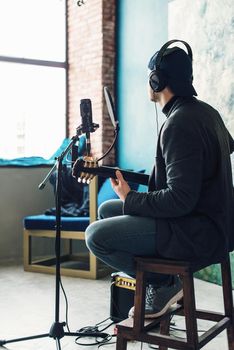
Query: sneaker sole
column 172, row 301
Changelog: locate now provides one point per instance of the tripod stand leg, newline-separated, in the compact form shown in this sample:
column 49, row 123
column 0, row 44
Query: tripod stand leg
column 3, row 342
column 58, row 345
column 56, row 332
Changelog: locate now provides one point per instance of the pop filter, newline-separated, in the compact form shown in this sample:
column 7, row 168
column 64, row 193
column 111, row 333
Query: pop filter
column 111, row 111
column 110, row 107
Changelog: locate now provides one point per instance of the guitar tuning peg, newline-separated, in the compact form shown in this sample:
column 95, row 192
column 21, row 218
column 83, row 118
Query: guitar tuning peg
column 84, row 181
column 79, row 180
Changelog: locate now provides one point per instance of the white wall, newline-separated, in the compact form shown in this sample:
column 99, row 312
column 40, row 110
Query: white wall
column 208, row 26
column 19, row 197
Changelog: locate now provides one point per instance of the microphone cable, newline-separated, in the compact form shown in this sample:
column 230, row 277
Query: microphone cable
column 101, row 338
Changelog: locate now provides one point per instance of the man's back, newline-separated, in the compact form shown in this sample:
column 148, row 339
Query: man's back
column 192, row 192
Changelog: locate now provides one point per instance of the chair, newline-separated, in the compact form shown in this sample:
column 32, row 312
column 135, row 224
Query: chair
column 140, row 329
column 84, row 264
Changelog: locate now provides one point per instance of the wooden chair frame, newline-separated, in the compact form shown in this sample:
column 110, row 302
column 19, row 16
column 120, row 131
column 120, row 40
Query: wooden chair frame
column 46, row 265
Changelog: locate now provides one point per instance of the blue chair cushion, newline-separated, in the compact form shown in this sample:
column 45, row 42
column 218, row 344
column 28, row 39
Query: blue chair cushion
column 47, row 222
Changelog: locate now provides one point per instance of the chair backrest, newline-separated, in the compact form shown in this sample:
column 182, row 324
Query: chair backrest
column 93, row 194
column 106, row 192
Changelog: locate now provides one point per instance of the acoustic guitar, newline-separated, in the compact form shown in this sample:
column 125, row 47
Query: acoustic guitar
column 85, row 169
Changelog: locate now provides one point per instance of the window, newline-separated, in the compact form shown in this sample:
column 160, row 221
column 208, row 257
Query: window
column 32, row 77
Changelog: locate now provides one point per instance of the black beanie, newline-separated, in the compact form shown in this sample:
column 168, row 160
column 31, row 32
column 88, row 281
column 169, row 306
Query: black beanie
column 176, row 67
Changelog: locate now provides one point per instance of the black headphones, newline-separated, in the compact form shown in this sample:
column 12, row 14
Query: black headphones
column 157, row 80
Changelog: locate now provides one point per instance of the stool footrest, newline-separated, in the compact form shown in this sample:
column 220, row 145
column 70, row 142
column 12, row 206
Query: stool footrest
column 210, row 316
column 213, row 331
column 149, row 323
column 158, row 339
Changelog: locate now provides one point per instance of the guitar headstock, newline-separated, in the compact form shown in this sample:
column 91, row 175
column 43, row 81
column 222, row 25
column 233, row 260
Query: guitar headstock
column 83, row 169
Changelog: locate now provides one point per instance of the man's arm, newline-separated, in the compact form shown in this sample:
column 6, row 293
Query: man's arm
column 183, row 156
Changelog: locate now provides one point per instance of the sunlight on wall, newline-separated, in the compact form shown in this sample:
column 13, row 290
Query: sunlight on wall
column 208, row 26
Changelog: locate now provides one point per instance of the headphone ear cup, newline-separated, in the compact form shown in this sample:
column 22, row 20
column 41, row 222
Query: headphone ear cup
column 157, row 81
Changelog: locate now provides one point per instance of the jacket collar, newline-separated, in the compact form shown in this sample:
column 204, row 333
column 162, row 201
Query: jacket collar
column 174, row 103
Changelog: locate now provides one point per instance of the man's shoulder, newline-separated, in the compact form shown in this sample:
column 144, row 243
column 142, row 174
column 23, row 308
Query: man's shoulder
column 182, row 112
column 188, row 104
column 190, row 110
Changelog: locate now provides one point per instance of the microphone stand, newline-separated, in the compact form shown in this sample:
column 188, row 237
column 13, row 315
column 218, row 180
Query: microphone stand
column 57, row 329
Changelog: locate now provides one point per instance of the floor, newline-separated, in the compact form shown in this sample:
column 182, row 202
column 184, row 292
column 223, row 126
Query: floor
column 27, row 308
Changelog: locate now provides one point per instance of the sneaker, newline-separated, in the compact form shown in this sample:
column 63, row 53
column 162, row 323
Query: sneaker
column 158, row 300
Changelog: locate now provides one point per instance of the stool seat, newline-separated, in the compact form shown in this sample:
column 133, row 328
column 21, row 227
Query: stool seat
column 160, row 265
column 140, row 329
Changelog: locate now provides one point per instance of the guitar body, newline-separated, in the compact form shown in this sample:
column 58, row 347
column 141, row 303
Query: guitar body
column 85, row 170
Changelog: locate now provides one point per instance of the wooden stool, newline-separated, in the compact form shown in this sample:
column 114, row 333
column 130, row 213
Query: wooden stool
column 139, row 328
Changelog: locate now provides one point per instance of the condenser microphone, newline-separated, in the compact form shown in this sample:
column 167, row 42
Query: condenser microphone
column 86, row 116
column 87, row 125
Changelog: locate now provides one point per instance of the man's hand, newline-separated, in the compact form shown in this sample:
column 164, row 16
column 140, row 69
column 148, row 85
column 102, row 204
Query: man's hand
column 120, row 186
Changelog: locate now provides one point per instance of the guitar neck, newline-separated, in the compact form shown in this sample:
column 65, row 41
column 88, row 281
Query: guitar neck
column 106, row 171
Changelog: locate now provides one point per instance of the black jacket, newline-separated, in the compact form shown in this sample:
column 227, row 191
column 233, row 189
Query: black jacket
column 190, row 189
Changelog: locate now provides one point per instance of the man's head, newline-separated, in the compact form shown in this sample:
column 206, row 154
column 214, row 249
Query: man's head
column 171, row 69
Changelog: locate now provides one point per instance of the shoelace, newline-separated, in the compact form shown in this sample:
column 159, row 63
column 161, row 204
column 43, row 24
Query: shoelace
column 150, row 295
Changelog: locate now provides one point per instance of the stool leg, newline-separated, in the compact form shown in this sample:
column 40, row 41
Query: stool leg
column 164, row 329
column 228, row 300
column 121, row 343
column 189, row 310
column 139, row 302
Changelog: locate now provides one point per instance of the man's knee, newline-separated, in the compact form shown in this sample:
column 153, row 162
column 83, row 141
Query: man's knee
column 104, row 210
column 110, row 208
column 90, row 234
column 93, row 236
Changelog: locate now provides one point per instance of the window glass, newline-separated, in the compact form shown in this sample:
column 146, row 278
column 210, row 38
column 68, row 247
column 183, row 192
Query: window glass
column 33, row 97
column 32, row 110
column 33, row 29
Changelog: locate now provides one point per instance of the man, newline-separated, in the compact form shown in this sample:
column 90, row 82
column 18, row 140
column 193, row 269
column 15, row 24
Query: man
column 188, row 210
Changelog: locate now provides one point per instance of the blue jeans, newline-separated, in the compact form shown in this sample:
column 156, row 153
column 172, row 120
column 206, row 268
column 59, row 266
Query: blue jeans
column 117, row 239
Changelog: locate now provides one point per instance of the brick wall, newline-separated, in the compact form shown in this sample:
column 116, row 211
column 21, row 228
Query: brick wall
column 91, row 57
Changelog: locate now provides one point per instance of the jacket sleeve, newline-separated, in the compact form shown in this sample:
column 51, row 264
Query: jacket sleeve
column 231, row 143
column 183, row 156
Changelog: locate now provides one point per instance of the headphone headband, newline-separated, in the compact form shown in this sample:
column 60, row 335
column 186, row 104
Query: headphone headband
column 158, row 79
column 165, row 46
